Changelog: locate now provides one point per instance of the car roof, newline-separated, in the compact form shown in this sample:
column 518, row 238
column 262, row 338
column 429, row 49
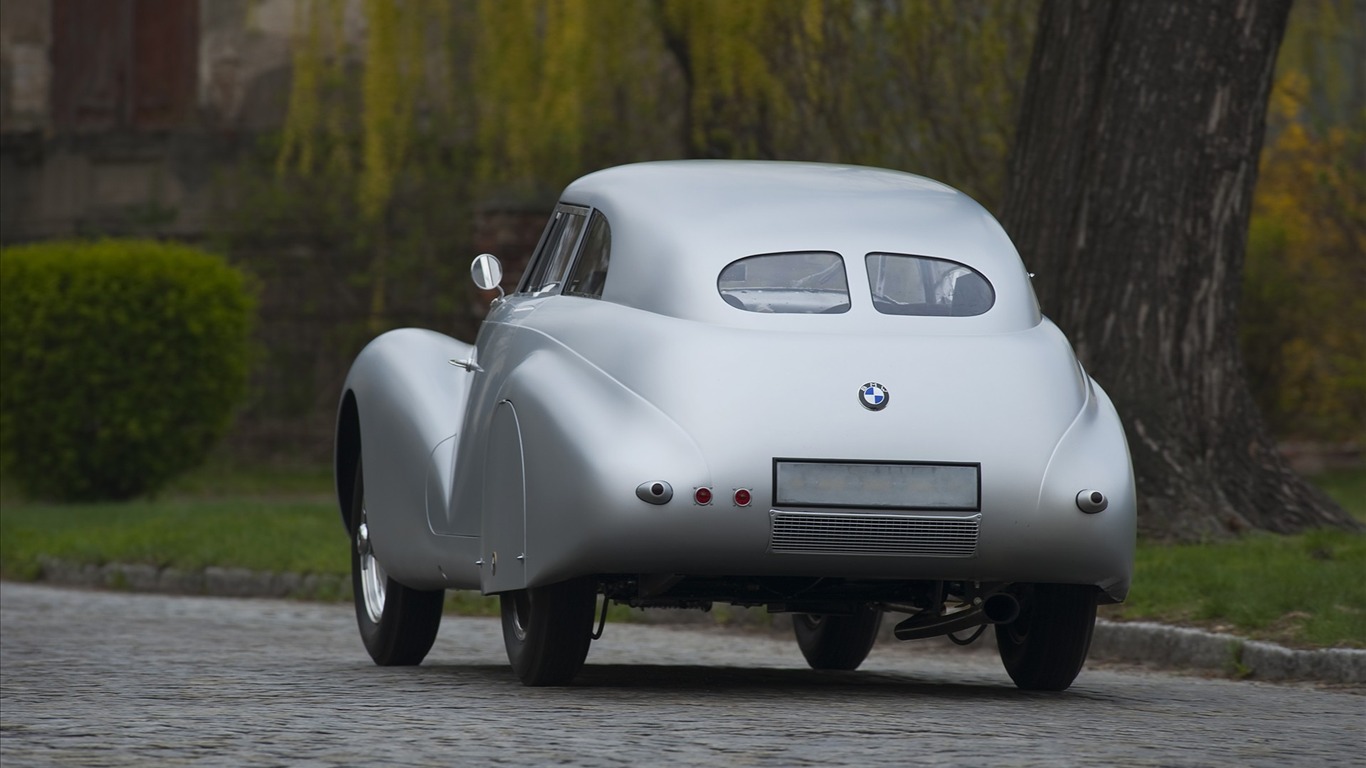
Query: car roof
column 676, row 224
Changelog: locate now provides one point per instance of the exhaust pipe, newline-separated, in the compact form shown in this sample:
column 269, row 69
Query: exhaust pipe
column 1000, row 608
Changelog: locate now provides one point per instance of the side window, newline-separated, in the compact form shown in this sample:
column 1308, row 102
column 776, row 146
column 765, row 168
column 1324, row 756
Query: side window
column 536, row 266
column 920, row 285
column 804, row 283
column 590, row 271
column 548, row 266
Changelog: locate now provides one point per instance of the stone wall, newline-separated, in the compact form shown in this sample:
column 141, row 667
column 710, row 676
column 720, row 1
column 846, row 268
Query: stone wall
column 25, row 71
column 64, row 175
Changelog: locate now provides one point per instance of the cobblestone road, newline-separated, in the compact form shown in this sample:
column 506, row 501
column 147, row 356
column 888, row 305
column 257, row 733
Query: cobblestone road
column 109, row 679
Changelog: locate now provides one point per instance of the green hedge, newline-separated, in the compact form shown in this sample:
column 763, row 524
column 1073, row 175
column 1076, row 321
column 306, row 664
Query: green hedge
column 121, row 362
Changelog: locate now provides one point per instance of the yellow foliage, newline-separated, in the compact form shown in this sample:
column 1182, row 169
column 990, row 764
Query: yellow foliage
column 400, row 41
column 1305, row 296
column 541, row 66
column 393, row 65
column 731, row 74
column 558, row 87
column 319, row 57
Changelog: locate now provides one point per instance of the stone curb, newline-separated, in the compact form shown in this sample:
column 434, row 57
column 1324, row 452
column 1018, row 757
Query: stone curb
column 1143, row 643
column 213, row 580
column 1159, row 644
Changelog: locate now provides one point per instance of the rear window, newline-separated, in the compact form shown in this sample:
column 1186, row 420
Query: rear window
column 807, row 282
column 920, row 285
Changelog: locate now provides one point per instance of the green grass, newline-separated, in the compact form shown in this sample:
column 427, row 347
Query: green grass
column 224, row 514
column 1304, row 590
column 224, row 479
column 1347, row 487
column 295, row 536
column 280, row 519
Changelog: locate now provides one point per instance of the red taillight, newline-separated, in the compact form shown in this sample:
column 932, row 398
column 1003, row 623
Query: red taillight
column 702, row 496
column 742, row 497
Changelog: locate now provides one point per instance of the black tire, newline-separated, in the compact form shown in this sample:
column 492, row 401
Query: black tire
column 398, row 625
column 837, row 642
column 547, row 630
column 1044, row 648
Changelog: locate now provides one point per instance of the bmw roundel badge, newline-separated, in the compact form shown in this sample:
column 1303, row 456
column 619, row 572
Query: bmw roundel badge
column 873, row 396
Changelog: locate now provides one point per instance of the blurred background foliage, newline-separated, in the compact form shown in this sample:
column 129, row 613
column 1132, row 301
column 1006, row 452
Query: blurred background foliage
column 1304, row 313
column 541, row 91
column 406, row 121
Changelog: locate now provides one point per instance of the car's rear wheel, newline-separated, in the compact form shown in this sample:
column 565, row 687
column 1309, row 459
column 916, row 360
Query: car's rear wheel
column 398, row 625
column 547, row 630
column 1044, row 648
column 837, row 642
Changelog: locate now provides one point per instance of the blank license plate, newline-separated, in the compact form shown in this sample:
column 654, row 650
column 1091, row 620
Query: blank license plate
column 880, row 485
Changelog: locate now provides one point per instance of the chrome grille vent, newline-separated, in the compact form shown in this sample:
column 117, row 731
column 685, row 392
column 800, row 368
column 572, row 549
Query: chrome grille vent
column 852, row 534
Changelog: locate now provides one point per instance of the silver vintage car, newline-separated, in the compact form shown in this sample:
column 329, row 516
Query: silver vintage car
column 827, row 390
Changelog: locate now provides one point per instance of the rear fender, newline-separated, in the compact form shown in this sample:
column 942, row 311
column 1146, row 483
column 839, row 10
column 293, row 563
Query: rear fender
column 588, row 442
column 1093, row 455
column 402, row 403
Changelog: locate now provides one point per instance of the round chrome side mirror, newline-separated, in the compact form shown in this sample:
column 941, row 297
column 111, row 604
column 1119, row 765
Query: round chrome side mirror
column 487, row 271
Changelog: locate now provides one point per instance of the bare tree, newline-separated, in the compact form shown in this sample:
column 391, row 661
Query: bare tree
column 1129, row 193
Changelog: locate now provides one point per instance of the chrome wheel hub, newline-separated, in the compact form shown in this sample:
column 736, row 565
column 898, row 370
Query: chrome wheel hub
column 521, row 608
column 372, row 576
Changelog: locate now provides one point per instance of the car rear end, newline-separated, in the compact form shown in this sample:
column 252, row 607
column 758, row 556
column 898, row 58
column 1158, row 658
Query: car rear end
column 802, row 454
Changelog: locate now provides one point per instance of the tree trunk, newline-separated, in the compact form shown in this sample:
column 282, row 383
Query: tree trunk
column 1129, row 192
